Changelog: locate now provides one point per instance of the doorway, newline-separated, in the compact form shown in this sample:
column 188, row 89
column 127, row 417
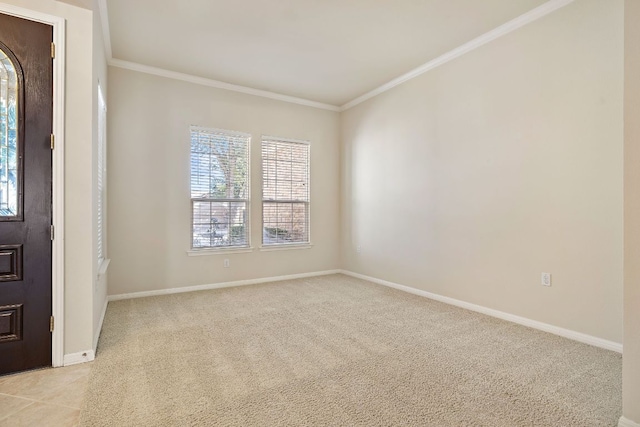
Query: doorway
column 26, row 123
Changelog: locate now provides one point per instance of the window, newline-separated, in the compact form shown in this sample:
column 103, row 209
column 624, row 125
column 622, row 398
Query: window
column 10, row 140
column 285, row 191
column 102, row 169
column 219, row 188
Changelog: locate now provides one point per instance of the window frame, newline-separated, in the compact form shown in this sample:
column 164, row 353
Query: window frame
column 205, row 250
column 284, row 245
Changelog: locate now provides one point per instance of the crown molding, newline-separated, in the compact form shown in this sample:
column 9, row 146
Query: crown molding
column 218, row 84
column 133, row 66
column 504, row 29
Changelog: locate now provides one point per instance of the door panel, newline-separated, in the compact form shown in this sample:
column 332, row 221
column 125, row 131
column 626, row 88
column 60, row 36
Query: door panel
column 25, row 193
column 10, row 263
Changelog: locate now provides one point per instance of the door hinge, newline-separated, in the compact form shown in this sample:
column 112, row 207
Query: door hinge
column 53, row 50
column 51, row 324
column 52, row 232
column 53, row 141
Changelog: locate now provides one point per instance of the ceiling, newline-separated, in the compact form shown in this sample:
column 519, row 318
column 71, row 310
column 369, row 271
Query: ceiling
column 328, row 51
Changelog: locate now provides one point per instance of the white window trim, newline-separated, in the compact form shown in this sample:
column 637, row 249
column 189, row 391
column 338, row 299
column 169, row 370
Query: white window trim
column 222, row 249
column 102, row 268
column 295, row 141
column 103, row 261
column 219, row 130
column 286, row 246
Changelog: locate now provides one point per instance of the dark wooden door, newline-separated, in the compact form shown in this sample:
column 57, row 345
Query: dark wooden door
column 26, row 93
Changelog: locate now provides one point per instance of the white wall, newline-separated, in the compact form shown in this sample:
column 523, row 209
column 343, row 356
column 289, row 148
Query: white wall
column 149, row 206
column 631, row 356
column 474, row 178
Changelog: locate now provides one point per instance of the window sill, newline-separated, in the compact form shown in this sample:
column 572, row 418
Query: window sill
column 285, row 247
column 102, row 268
column 221, row 251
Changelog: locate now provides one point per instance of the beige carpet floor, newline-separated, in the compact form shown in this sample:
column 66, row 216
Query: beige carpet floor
column 338, row 351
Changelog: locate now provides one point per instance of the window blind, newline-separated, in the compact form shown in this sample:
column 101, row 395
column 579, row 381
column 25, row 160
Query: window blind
column 285, row 191
column 219, row 188
column 102, row 147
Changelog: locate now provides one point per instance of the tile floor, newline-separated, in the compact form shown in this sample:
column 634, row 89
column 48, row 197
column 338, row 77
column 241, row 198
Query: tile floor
column 42, row 398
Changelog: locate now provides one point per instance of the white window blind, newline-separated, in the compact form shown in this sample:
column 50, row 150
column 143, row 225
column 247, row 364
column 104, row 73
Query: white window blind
column 102, row 168
column 285, row 191
column 219, row 188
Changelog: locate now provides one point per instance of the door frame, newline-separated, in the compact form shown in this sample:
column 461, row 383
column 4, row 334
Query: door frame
column 57, row 246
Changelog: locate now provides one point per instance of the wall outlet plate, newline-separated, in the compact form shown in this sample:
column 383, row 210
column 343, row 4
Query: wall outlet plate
column 545, row 279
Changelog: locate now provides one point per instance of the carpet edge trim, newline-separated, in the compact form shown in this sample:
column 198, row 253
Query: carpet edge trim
column 545, row 327
column 220, row 285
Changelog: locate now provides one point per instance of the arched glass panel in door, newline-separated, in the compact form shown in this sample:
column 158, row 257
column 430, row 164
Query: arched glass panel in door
column 10, row 147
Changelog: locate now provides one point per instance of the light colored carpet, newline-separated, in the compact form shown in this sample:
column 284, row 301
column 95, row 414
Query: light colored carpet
column 338, row 351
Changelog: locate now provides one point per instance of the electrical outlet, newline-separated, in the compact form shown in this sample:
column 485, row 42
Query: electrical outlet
column 226, row 263
column 546, row 279
column 358, row 248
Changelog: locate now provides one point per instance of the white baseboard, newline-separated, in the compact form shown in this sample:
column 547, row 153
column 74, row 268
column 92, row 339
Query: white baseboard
column 626, row 422
column 96, row 333
column 218, row 285
column 567, row 333
column 76, row 358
